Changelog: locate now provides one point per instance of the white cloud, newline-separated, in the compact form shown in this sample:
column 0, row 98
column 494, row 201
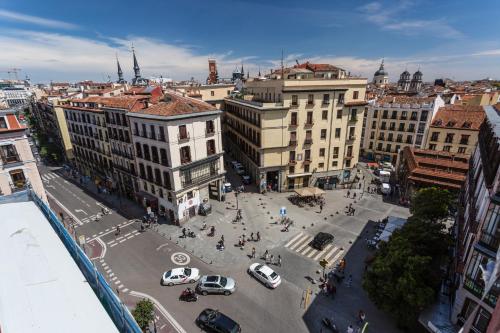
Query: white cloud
column 18, row 17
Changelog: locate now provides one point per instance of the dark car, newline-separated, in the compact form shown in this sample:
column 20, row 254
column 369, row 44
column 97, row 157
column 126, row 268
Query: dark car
column 321, row 240
column 215, row 321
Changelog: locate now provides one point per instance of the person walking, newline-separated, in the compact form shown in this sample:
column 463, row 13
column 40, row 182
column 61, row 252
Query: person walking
column 279, row 260
column 349, row 281
column 251, row 236
column 271, row 259
column 348, row 194
column 350, row 329
column 258, row 236
column 184, row 232
column 253, row 252
column 361, row 317
column 266, row 254
column 118, row 230
column 320, row 208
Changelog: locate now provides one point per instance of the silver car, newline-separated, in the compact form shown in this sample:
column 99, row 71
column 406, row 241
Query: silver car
column 216, row 284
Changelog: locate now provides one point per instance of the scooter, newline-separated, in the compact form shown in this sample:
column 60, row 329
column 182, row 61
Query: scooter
column 188, row 296
column 331, row 325
column 191, row 234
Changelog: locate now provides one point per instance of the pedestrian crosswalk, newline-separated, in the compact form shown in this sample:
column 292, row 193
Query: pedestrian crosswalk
column 300, row 244
column 123, row 238
column 46, row 177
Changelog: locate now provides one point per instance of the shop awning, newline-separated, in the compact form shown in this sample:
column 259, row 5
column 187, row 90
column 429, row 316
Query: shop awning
column 295, row 175
column 309, row 191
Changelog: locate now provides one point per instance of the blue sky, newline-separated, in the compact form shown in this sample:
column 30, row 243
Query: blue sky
column 74, row 40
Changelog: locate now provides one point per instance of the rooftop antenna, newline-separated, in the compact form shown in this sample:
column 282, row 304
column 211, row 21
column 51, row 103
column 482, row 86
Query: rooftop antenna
column 282, row 66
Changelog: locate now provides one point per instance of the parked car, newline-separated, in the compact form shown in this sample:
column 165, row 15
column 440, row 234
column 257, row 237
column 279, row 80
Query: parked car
column 216, row 284
column 180, row 276
column 228, row 188
column 216, row 321
column 246, row 179
column 321, row 240
column 265, row 274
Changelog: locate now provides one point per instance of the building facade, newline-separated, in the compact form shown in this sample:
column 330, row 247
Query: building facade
column 395, row 122
column 213, row 94
column 381, row 77
column 18, row 168
column 477, row 230
column 179, row 155
column 297, row 125
column 455, row 129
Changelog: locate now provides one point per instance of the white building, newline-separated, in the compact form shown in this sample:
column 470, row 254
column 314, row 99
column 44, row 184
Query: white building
column 179, row 156
column 16, row 96
column 381, row 77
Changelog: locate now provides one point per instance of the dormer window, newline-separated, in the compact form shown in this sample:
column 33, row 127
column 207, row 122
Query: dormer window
column 450, row 124
column 3, row 122
column 466, row 125
column 438, row 122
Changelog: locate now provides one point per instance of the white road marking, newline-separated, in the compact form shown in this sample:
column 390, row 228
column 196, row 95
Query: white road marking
column 105, row 233
column 299, row 242
column 111, row 242
column 293, row 240
column 64, row 208
column 114, row 278
column 131, row 237
column 104, row 248
column 327, row 257
column 118, row 282
column 121, row 286
column 159, row 247
column 162, row 310
column 125, row 290
column 335, row 258
column 323, row 252
column 309, row 238
column 113, row 245
column 112, row 274
column 313, row 252
column 81, row 211
column 102, row 260
column 109, row 270
column 123, row 240
column 307, row 249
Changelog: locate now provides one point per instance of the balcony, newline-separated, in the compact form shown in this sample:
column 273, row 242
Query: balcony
column 308, row 123
column 464, row 142
column 348, row 157
column 325, row 103
column 353, row 119
column 308, row 141
column 351, row 138
column 491, row 241
column 209, row 131
column 477, row 289
column 294, row 105
column 292, row 125
column 292, row 162
column 185, row 160
column 292, row 143
column 307, row 160
column 183, row 137
column 11, row 158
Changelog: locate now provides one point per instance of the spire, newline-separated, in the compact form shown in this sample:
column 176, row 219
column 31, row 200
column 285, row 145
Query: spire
column 259, row 72
column 242, row 71
column 382, row 65
column 137, row 70
column 248, row 74
column 120, row 72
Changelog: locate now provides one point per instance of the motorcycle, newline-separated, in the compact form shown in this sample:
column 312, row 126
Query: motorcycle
column 331, row 325
column 188, row 296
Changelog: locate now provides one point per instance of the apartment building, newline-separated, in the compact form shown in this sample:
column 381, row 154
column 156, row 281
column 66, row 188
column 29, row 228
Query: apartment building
column 395, row 122
column 18, row 168
column 477, row 230
column 213, row 94
column 89, row 136
column 120, row 138
column 297, row 125
column 179, row 155
column 455, row 129
column 488, row 98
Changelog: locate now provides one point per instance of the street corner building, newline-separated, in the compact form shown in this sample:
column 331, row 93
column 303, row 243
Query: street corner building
column 297, row 126
column 179, row 155
column 18, row 166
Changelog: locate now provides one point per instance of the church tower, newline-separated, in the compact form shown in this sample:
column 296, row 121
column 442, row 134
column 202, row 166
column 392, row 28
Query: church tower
column 404, row 81
column 137, row 80
column 120, row 72
column 416, row 81
column 381, row 77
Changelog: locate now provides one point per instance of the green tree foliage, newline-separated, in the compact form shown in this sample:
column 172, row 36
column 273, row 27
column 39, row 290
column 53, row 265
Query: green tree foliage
column 405, row 274
column 431, row 203
column 143, row 313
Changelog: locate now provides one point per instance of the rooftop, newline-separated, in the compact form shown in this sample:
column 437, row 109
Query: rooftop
column 401, row 99
column 42, row 288
column 95, row 102
column 173, row 104
column 12, row 122
column 459, row 116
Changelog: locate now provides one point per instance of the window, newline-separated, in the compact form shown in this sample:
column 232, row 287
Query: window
column 383, row 127
column 183, row 134
column 210, row 129
column 464, row 140
column 142, row 171
column 339, row 114
column 397, row 148
column 152, row 133
column 326, row 99
column 399, row 138
column 210, row 147
column 337, row 132
column 401, row 127
column 394, row 115
column 154, row 154
column 310, row 99
column 321, row 165
column 384, row 114
column 309, row 120
column 446, row 148
column 424, row 115
column 324, row 114
column 3, row 123
column 145, row 149
column 136, row 129
column 323, row 134
column 9, row 154
column 185, row 153
column 432, row 146
column 374, row 124
column 449, row 137
column 212, row 93
column 348, row 163
column 322, row 152
column 308, row 140
column 335, row 164
column 461, row 150
column 149, row 171
column 372, row 135
column 162, row 133
column 388, row 148
column 409, row 139
column 341, row 98
column 293, row 138
column 379, row 146
column 375, row 113
column 295, row 100
column 435, row 136
column 335, row 152
column 355, row 94
column 292, row 156
column 293, row 120
column 306, row 168
column 371, row 145
column 18, row 179
column 138, row 149
column 144, row 132
column 158, row 177
column 404, row 115
column 413, row 115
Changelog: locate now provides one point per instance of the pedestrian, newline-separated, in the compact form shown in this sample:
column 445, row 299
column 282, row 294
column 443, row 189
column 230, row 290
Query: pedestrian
column 354, row 195
column 360, row 185
column 118, row 230
column 320, row 207
column 271, row 260
column 258, row 236
column 251, row 235
column 253, row 252
column 348, row 194
column 350, row 329
column 279, row 260
column 361, row 317
column 265, row 255
column 184, row 232
column 222, row 238
column 349, row 281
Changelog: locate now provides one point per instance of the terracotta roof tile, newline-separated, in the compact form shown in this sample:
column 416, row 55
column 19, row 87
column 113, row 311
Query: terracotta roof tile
column 459, row 116
column 405, row 99
column 173, row 104
column 356, row 103
column 119, row 102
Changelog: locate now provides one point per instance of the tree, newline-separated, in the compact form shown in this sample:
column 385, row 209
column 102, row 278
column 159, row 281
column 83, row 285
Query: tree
column 405, row 275
column 143, row 313
column 431, row 203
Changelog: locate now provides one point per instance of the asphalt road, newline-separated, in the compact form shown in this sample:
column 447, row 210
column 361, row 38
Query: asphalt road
column 133, row 262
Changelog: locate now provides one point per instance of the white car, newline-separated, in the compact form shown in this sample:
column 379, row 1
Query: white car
column 265, row 275
column 180, row 276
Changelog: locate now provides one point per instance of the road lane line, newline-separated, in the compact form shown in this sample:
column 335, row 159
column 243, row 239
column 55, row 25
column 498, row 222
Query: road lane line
column 125, row 290
column 312, row 253
column 114, row 278
column 323, row 252
column 293, row 240
column 113, row 245
column 331, row 253
column 106, row 233
column 131, row 237
column 123, row 240
column 162, row 310
column 64, row 208
column 121, row 286
column 335, row 258
column 112, row 274
column 306, row 243
column 94, row 235
column 118, row 282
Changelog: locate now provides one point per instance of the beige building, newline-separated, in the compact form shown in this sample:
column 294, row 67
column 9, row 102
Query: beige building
column 179, row 156
column 489, row 98
column 18, row 168
column 297, row 125
column 395, row 122
column 213, row 94
column 455, row 129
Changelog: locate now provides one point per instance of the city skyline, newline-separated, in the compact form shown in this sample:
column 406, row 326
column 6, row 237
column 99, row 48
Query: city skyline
column 66, row 42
